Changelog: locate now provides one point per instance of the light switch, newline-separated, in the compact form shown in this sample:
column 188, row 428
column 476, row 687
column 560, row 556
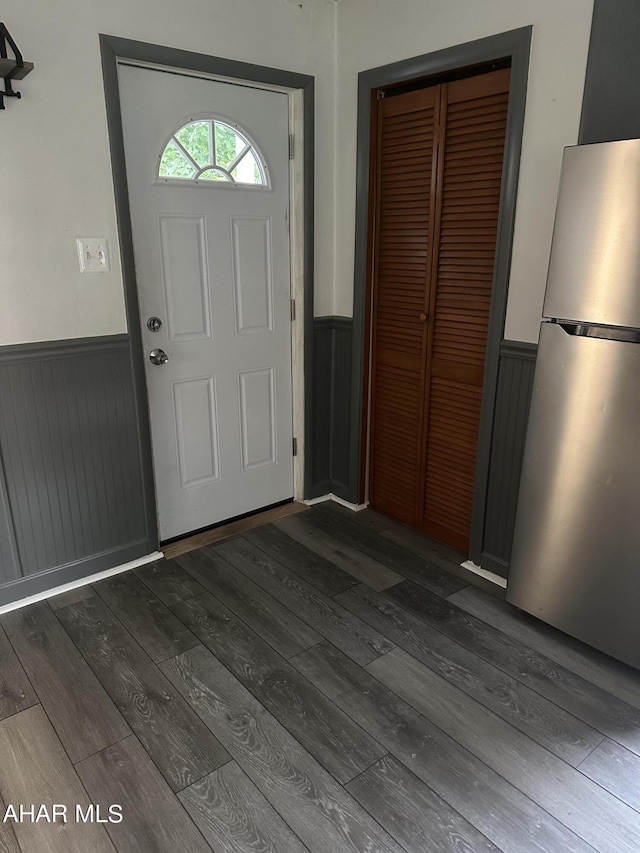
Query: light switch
column 93, row 254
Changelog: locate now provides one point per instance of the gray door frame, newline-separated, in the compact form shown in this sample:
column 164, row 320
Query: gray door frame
column 113, row 49
column 515, row 45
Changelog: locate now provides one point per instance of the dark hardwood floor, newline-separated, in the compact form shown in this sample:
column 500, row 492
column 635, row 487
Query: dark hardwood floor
column 330, row 682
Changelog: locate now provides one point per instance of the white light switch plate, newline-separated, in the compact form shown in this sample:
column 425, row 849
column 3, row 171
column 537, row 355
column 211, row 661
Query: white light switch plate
column 93, row 254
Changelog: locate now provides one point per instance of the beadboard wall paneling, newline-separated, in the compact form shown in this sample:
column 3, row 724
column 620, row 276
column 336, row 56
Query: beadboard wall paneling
column 331, row 401
column 71, row 456
column 515, row 382
column 9, row 562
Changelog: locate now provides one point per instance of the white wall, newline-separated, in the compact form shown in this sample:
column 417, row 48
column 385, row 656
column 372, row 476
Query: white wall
column 55, row 176
column 376, row 32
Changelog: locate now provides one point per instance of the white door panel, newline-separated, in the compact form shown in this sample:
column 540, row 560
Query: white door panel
column 257, row 418
column 185, row 276
column 252, row 275
column 196, row 422
column 212, row 262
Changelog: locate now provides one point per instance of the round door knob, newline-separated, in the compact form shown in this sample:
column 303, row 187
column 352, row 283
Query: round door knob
column 158, row 356
column 423, row 316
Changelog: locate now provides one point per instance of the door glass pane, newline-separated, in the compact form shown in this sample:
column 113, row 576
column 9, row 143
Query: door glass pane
column 195, row 138
column 174, row 164
column 213, row 175
column 247, row 171
column 228, row 145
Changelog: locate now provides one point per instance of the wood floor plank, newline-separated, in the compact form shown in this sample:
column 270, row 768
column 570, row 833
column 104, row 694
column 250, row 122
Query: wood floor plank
column 16, row 692
column 233, row 528
column 318, row 571
column 331, row 620
column 274, row 622
column 611, row 675
column 169, row 581
column 83, row 715
column 441, row 555
column 235, row 817
column 8, row 842
column 362, row 567
column 597, row 817
column 151, row 622
column 413, row 814
column 615, row 769
column 340, row 745
column 503, row 814
column 63, row 599
column 181, row 746
column 437, row 553
column 35, row 770
column 152, row 818
column 549, row 725
column 400, row 559
column 314, row 805
column 580, row 697
column 369, row 519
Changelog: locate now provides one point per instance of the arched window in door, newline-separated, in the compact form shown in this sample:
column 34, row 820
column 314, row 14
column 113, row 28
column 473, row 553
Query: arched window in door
column 212, row 151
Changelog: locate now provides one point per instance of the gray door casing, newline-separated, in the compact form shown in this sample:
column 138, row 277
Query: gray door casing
column 515, row 45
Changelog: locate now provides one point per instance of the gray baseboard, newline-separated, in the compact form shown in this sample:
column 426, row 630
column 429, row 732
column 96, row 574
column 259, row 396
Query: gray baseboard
column 331, row 401
column 84, row 568
column 70, row 480
column 515, row 383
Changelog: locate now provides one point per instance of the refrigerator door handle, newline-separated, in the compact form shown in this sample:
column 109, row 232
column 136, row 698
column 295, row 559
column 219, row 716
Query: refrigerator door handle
column 607, row 333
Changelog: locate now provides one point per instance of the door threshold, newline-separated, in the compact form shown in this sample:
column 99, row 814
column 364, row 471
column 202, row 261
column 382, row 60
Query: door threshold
column 231, row 528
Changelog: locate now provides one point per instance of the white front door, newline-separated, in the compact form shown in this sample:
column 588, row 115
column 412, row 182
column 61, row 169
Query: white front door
column 208, row 175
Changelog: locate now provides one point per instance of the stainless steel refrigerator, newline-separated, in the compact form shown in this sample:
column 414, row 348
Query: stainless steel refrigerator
column 576, row 553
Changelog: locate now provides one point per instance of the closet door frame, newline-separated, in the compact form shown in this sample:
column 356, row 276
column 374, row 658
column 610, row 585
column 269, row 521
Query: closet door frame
column 514, row 46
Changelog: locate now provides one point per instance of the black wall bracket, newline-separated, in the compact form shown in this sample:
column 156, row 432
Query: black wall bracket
column 11, row 69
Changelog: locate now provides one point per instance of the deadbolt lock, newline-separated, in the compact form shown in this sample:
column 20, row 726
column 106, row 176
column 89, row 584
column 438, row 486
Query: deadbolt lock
column 154, row 324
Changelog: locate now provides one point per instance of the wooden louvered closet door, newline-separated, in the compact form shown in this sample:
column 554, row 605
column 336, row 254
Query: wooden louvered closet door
column 439, row 154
